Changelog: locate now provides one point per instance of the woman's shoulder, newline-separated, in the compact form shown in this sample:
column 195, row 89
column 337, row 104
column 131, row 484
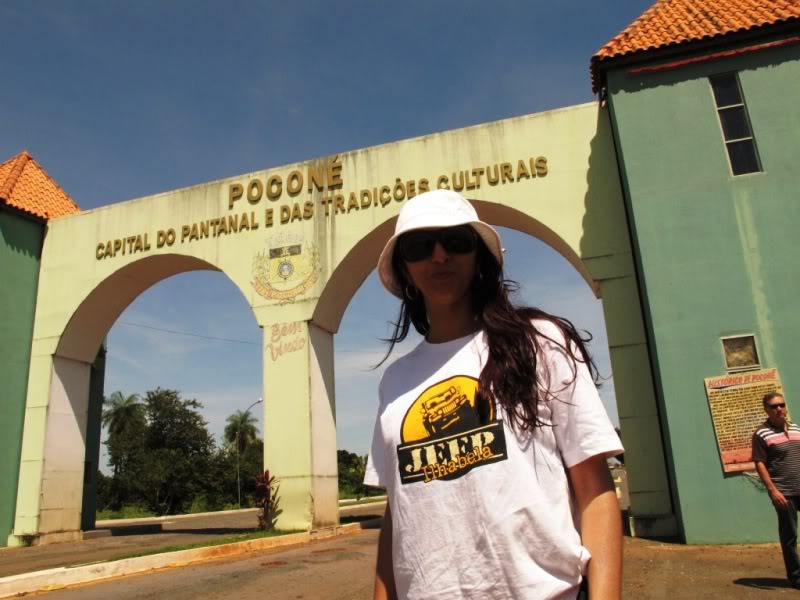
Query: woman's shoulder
column 400, row 365
column 548, row 332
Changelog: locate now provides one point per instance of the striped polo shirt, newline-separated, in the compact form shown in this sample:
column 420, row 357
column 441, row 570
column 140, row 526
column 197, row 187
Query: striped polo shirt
column 780, row 451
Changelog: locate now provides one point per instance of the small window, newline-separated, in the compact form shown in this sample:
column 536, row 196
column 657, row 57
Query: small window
column 736, row 130
column 740, row 352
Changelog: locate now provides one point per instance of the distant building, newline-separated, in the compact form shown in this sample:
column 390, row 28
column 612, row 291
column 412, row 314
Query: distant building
column 704, row 100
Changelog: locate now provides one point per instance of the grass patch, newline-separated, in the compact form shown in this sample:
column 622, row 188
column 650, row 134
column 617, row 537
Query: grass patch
column 346, row 493
column 231, row 539
column 126, row 512
column 369, row 501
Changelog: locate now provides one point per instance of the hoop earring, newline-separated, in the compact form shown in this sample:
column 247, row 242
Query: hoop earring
column 411, row 293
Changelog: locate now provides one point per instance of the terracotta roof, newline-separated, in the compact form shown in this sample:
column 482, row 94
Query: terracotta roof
column 26, row 186
column 678, row 22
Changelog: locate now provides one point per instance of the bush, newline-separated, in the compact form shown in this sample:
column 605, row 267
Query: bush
column 126, row 512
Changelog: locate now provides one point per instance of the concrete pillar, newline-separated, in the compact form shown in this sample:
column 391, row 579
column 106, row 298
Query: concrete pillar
column 50, row 489
column 651, row 511
column 300, row 423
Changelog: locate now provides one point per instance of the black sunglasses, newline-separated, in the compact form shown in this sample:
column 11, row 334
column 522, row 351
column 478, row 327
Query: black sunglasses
column 418, row 245
column 781, row 405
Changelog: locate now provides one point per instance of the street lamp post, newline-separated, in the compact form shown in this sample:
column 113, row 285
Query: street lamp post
column 238, row 430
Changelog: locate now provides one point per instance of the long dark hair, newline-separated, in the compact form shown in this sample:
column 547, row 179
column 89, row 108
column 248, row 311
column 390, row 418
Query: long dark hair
column 510, row 373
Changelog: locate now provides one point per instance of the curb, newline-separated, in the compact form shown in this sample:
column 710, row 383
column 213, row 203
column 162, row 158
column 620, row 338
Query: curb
column 363, row 500
column 113, row 522
column 63, row 577
column 108, row 523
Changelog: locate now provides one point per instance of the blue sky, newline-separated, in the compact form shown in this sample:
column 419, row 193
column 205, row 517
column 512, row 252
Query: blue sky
column 119, row 100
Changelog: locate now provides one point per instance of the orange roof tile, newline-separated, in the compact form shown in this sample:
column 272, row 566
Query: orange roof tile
column 26, row 186
column 677, row 22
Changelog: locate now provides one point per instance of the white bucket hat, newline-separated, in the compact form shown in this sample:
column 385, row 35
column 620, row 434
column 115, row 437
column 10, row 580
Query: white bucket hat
column 434, row 210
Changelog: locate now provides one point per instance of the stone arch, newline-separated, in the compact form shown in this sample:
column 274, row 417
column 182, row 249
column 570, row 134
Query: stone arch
column 359, row 262
column 554, row 178
column 99, row 310
column 53, row 501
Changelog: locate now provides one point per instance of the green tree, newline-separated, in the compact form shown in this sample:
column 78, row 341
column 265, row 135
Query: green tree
column 120, row 410
column 252, row 465
column 241, row 427
column 351, row 473
column 179, row 450
column 122, row 415
column 221, row 485
column 240, row 431
column 124, row 419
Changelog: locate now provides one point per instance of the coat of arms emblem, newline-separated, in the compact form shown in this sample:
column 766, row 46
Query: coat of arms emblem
column 286, row 268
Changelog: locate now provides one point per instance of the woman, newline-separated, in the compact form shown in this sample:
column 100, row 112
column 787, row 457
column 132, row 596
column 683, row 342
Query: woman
column 490, row 440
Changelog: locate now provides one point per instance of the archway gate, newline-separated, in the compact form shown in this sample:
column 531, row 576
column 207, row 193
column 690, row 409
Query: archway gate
column 298, row 241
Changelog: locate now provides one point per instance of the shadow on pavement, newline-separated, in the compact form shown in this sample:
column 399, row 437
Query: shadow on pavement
column 762, row 583
column 134, row 529
column 212, row 530
column 157, row 528
column 361, row 519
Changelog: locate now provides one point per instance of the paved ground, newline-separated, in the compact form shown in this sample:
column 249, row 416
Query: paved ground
column 128, row 539
column 342, row 569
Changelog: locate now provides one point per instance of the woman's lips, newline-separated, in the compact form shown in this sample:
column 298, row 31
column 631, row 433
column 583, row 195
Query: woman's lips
column 441, row 275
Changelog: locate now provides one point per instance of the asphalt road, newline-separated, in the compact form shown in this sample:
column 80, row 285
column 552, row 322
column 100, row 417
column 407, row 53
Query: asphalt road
column 135, row 538
column 342, row 568
column 335, row 569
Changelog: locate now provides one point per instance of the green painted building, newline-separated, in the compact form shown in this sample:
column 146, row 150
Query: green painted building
column 706, row 125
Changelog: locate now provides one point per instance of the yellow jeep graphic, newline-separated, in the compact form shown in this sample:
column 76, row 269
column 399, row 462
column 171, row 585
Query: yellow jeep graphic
column 442, row 411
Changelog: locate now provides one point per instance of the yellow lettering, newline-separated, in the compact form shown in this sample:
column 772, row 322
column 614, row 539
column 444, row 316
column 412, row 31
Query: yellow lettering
column 294, row 183
column 492, row 175
column 339, row 200
column 334, row 172
column 274, row 187
column 254, row 191
column 297, row 215
column 522, row 170
column 541, row 166
column 235, row 191
column 507, row 172
column 316, row 178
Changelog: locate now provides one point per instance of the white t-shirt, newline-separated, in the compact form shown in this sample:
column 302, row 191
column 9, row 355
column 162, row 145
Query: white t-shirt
column 479, row 511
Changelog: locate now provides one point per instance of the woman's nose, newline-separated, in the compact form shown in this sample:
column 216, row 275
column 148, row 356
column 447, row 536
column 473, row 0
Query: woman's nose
column 439, row 253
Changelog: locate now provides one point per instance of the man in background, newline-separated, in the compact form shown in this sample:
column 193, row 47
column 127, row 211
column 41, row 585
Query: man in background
column 776, row 452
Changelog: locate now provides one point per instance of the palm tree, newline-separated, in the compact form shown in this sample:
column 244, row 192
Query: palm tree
column 241, row 430
column 121, row 411
column 123, row 416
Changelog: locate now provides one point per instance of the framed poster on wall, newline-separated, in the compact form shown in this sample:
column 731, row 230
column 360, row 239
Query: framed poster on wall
column 737, row 411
